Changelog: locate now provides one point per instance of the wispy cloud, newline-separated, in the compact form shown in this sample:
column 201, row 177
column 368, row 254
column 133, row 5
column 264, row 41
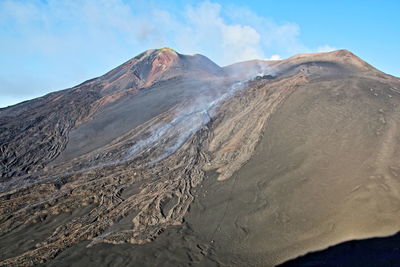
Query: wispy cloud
column 275, row 57
column 54, row 44
column 325, row 48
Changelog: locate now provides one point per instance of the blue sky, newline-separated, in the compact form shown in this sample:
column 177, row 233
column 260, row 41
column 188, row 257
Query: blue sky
column 56, row 44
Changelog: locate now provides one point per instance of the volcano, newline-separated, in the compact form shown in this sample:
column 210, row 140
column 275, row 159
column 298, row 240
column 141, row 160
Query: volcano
column 172, row 160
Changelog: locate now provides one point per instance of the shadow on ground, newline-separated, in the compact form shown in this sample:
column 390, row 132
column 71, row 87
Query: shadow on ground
column 383, row 251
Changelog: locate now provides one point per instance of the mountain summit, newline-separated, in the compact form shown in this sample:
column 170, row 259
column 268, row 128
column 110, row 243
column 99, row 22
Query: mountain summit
column 172, row 160
column 158, row 64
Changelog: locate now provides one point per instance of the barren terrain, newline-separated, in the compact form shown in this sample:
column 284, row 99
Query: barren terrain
column 172, row 160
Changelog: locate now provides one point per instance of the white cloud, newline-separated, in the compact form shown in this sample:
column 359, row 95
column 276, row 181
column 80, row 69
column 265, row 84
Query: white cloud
column 275, row 57
column 325, row 48
column 206, row 31
column 276, row 37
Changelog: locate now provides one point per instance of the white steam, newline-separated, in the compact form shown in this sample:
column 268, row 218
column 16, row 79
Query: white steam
column 171, row 135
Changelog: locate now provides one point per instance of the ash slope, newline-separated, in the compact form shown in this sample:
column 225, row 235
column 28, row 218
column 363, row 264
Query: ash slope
column 78, row 120
column 301, row 157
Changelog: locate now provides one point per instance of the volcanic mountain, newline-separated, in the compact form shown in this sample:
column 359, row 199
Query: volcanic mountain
column 171, row 160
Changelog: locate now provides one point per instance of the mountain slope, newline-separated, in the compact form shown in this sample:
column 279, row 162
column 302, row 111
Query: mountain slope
column 105, row 103
column 274, row 159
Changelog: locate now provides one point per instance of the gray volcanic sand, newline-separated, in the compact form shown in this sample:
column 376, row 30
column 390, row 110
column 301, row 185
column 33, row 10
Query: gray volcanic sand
column 325, row 171
column 117, row 118
column 27, row 236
